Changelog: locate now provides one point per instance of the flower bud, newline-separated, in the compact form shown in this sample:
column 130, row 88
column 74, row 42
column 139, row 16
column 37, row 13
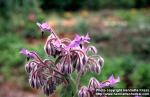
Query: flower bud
column 66, row 68
column 92, row 49
column 84, row 92
column 49, row 88
column 36, row 82
column 93, row 83
column 79, row 65
column 29, row 66
column 101, row 61
column 95, row 68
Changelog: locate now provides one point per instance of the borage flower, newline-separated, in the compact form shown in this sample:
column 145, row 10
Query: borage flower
column 44, row 27
column 110, row 82
column 27, row 53
column 68, row 56
column 78, row 41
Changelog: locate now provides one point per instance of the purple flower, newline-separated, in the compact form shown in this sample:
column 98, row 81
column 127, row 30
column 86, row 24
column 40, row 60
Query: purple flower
column 110, row 82
column 136, row 96
column 27, row 53
column 44, row 27
column 85, row 38
column 79, row 40
column 93, row 83
column 84, row 92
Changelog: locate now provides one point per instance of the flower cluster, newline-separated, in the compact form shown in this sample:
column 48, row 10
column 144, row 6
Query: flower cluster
column 70, row 56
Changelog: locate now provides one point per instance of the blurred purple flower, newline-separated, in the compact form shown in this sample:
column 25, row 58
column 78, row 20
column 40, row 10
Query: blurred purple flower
column 44, row 26
column 85, row 38
column 79, row 40
column 26, row 53
column 110, row 82
column 136, row 96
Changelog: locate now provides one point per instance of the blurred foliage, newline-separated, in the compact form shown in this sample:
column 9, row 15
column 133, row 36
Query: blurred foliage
column 19, row 16
column 92, row 4
column 11, row 59
column 141, row 76
column 82, row 27
column 9, row 51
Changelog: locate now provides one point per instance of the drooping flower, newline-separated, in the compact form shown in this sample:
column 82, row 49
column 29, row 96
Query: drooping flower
column 30, row 66
column 44, row 26
column 66, row 66
column 84, row 92
column 27, row 53
column 101, row 61
column 96, row 68
column 36, row 82
column 93, row 83
column 49, row 88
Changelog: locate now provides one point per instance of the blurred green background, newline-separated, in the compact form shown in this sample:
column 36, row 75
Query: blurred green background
column 119, row 29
